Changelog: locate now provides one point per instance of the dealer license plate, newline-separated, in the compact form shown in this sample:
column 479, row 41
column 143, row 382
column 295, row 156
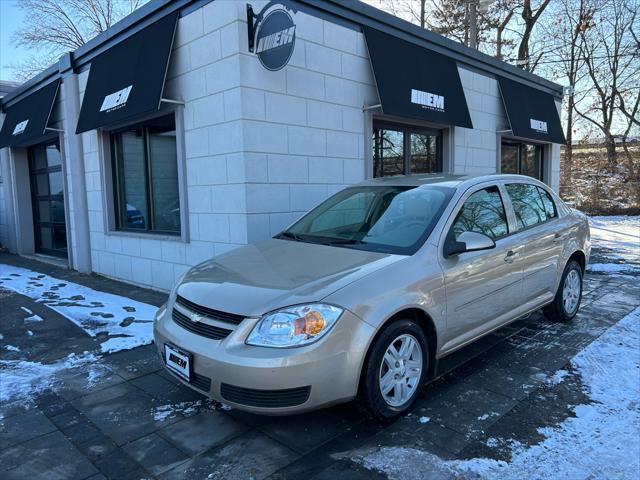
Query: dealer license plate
column 178, row 361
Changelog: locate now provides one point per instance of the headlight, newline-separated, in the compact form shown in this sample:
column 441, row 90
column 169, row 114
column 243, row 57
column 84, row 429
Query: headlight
column 294, row 326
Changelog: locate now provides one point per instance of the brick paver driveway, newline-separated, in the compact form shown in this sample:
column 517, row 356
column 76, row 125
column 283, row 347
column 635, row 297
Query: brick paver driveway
column 123, row 417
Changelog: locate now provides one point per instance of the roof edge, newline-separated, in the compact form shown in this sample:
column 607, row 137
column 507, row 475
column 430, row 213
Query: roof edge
column 359, row 12
column 354, row 11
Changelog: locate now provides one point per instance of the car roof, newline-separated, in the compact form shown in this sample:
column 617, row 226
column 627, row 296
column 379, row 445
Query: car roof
column 443, row 180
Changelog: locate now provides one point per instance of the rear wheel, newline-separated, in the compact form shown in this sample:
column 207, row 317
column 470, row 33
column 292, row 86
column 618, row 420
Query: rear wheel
column 395, row 370
column 567, row 300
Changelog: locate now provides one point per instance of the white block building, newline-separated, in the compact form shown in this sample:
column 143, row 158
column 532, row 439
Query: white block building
column 192, row 127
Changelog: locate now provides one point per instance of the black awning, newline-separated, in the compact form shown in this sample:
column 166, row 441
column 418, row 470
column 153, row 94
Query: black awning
column 532, row 113
column 127, row 80
column 27, row 119
column 415, row 82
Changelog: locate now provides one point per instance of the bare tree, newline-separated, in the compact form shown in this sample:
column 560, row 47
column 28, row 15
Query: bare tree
column 52, row 27
column 530, row 18
column 568, row 19
column 498, row 18
column 611, row 59
column 415, row 11
column 449, row 18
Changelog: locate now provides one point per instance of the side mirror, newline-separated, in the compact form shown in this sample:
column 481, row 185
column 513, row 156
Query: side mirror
column 468, row 242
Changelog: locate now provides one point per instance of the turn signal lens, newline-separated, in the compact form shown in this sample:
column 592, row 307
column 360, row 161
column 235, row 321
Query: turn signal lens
column 312, row 323
column 294, row 326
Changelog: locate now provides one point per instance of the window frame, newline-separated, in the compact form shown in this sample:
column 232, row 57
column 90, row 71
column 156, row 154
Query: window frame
column 407, row 130
column 107, row 180
column 118, row 184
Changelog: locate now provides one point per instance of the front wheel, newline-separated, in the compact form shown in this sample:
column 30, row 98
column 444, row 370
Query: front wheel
column 395, row 370
column 567, row 300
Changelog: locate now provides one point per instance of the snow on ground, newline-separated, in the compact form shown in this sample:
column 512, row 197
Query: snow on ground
column 124, row 323
column 619, row 236
column 22, row 380
column 612, row 267
column 32, row 317
column 171, row 410
column 601, row 441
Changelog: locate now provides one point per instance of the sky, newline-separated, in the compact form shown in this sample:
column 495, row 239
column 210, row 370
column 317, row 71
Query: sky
column 10, row 20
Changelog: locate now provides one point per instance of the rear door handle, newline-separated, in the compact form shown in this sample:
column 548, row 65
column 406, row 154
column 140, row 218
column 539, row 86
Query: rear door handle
column 511, row 255
column 557, row 237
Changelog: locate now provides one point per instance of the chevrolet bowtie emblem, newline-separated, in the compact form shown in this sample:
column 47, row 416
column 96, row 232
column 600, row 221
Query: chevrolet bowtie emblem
column 195, row 317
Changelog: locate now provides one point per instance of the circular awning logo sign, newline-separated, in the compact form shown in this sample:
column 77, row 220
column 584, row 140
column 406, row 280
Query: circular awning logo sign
column 275, row 39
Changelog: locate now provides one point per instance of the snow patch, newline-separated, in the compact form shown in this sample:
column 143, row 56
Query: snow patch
column 612, row 268
column 123, row 322
column 12, row 348
column 493, row 442
column 424, row 419
column 164, row 412
column 558, row 377
column 486, row 416
column 21, row 379
column 619, row 235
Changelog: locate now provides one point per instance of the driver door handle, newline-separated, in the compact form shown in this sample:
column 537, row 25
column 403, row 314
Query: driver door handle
column 511, row 256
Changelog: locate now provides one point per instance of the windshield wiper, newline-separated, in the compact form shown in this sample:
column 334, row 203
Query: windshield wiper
column 344, row 241
column 291, row 236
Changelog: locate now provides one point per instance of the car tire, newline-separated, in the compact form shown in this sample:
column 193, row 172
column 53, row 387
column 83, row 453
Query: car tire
column 566, row 303
column 377, row 369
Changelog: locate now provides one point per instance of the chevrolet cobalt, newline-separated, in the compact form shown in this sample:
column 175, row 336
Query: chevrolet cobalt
column 364, row 295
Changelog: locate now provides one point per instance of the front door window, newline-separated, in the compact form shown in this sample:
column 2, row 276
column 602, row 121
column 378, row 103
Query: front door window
column 47, row 193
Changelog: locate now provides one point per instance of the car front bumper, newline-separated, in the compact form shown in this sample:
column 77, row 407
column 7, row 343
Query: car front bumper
column 272, row 381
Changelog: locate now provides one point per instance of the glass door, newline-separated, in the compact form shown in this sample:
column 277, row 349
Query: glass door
column 47, row 196
column 522, row 158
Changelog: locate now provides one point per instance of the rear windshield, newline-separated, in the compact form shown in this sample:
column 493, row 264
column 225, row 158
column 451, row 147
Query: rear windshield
column 386, row 219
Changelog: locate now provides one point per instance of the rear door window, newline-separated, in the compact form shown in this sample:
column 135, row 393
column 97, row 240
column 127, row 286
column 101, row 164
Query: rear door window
column 527, row 204
column 549, row 205
column 482, row 212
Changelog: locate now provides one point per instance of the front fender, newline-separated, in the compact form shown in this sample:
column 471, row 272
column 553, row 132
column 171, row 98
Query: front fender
column 412, row 283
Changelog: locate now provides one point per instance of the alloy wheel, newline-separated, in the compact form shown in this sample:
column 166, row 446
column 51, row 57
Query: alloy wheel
column 571, row 292
column 401, row 370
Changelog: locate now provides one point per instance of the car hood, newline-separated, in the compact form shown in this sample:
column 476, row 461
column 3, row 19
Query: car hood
column 255, row 279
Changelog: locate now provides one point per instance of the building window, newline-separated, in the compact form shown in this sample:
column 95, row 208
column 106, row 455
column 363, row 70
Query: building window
column 522, row 158
column 145, row 172
column 399, row 150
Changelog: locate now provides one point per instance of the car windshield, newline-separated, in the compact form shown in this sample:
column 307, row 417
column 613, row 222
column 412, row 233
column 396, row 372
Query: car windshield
column 391, row 219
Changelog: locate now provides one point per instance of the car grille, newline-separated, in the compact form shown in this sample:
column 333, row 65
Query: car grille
column 209, row 312
column 199, row 328
column 289, row 397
